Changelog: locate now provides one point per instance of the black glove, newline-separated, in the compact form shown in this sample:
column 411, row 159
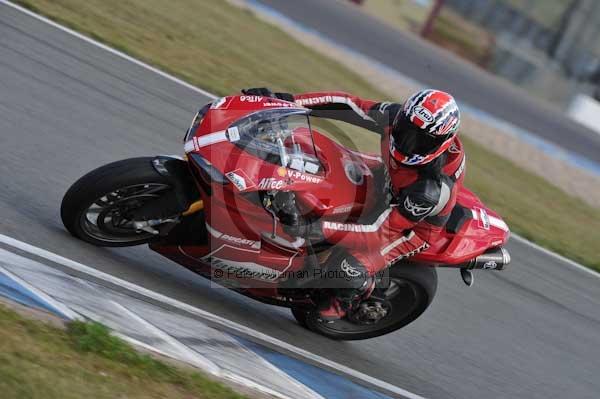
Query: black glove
column 285, row 97
column 258, row 91
column 265, row 92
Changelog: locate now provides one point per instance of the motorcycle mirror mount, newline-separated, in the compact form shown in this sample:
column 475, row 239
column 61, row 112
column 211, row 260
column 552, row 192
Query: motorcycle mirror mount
column 268, row 206
column 274, row 231
column 467, row 277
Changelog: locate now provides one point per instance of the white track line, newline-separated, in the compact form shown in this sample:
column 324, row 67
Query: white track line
column 204, row 92
column 45, row 297
column 223, row 373
column 184, row 353
column 213, row 318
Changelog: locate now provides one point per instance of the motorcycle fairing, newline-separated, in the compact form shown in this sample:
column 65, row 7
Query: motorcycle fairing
column 343, row 188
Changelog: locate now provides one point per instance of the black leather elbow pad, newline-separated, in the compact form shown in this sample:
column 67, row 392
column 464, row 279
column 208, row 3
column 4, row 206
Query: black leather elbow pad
column 421, row 199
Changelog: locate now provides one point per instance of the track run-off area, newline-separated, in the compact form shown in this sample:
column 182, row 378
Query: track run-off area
column 68, row 106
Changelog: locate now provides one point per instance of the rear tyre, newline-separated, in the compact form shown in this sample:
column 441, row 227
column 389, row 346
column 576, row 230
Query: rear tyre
column 411, row 290
column 97, row 207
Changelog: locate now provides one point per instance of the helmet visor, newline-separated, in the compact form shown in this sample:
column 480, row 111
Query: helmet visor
column 409, row 139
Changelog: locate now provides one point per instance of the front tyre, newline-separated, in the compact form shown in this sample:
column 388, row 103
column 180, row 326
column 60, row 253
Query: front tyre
column 410, row 292
column 97, row 208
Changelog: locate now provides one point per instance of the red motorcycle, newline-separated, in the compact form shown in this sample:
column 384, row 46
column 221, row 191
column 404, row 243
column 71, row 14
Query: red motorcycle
column 215, row 212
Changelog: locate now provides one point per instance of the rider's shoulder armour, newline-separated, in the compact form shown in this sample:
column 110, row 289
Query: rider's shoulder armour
column 426, row 197
column 384, row 113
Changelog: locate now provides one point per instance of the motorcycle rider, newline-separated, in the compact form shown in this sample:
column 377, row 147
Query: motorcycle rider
column 425, row 161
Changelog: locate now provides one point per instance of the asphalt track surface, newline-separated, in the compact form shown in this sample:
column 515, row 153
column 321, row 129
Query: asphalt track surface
column 67, row 107
column 421, row 61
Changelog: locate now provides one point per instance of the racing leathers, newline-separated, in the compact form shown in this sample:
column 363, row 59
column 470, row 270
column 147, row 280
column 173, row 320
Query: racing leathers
column 423, row 196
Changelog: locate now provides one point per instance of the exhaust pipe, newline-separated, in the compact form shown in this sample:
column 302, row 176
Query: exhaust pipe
column 493, row 259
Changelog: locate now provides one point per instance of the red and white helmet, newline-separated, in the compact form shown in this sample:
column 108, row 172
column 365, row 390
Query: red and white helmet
column 425, row 127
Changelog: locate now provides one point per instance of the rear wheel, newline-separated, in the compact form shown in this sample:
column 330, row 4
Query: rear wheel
column 98, row 207
column 410, row 292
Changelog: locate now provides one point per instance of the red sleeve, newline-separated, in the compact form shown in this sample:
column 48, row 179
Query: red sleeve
column 379, row 244
column 332, row 100
column 389, row 226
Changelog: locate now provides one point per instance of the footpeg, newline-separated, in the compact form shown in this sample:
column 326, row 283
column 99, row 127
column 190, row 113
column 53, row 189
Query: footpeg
column 148, row 225
column 145, row 226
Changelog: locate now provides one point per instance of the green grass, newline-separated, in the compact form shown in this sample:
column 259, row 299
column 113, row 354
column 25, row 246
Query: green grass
column 209, row 43
column 204, row 43
column 41, row 361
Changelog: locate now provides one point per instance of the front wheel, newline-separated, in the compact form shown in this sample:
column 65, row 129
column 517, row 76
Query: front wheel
column 97, row 208
column 410, row 292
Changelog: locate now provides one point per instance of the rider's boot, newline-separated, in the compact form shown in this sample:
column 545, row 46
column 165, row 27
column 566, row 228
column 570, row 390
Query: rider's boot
column 332, row 309
column 337, row 306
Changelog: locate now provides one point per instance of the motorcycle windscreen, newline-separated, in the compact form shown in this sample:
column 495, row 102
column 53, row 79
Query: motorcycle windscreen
column 278, row 136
